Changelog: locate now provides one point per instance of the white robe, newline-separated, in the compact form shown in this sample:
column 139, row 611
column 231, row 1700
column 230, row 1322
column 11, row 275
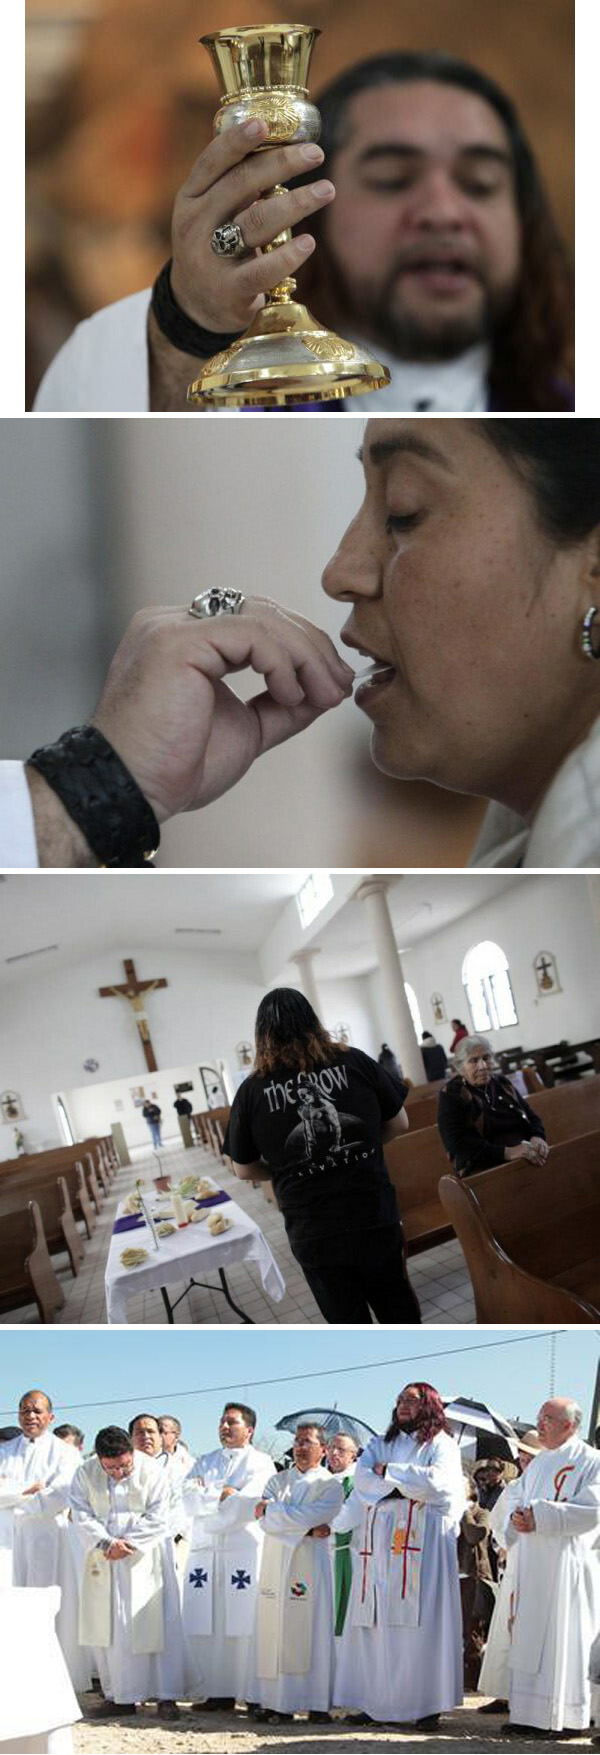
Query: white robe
column 18, row 846
column 128, row 1676
column 223, row 1560
column 564, row 830
column 36, row 1536
column 493, row 1675
column 296, row 1503
column 400, row 1673
column 557, row 1589
column 103, row 367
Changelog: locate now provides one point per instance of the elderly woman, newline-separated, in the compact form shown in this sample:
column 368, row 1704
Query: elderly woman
column 482, row 1120
column 473, row 575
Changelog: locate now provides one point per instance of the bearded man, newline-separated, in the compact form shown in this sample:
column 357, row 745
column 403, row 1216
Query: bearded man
column 400, row 1657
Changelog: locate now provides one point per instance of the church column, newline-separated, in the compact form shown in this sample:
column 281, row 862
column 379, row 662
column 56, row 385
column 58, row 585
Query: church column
column 304, row 962
column 404, row 1040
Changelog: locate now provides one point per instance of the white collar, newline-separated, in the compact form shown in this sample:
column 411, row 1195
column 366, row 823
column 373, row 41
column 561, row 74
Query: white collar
column 452, row 386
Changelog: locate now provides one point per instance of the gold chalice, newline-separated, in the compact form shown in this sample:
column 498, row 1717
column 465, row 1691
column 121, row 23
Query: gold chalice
column 286, row 356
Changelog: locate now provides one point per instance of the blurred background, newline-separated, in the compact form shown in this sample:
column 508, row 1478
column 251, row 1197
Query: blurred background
column 101, row 517
column 120, row 101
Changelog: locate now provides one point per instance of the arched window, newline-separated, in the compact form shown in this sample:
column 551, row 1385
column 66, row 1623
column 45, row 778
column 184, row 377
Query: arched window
column 487, row 985
column 414, row 1009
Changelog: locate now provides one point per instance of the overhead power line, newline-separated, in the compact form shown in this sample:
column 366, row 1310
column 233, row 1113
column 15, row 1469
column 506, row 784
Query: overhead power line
column 170, row 1395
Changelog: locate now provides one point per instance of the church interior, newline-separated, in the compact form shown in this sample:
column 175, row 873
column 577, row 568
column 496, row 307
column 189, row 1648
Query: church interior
column 102, row 1011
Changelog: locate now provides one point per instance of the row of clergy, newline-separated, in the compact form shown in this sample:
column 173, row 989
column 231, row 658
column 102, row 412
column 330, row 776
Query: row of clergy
column 220, row 1579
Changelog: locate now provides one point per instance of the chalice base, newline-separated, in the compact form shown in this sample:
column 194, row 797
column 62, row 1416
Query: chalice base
column 286, row 357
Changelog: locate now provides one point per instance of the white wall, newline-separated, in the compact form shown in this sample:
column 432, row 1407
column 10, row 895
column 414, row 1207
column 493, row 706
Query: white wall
column 50, row 1025
column 92, row 1109
column 349, row 1002
column 546, row 913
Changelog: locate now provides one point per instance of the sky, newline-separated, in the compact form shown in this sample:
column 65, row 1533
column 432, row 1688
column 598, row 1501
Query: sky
column 100, row 1377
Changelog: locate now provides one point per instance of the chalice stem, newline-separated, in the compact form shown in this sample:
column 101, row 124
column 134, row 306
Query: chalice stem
column 281, row 294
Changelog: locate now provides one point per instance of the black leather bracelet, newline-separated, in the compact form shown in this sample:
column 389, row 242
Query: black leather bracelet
column 100, row 795
column 178, row 328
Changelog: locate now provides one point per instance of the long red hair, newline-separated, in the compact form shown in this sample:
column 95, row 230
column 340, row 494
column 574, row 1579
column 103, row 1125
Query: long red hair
column 430, row 1419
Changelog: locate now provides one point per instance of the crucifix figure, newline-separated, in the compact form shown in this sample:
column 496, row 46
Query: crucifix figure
column 133, row 990
column 543, row 970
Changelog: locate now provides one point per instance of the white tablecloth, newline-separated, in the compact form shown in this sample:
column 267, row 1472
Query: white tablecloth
column 37, row 1702
column 189, row 1252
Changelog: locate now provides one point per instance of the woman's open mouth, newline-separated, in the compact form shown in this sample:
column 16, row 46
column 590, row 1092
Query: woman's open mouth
column 371, row 679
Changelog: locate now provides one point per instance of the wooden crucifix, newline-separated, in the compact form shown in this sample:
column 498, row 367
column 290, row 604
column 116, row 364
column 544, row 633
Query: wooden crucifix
column 133, row 990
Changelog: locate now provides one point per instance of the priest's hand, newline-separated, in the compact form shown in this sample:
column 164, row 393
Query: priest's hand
column 167, row 711
column 523, row 1520
column 259, row 1510
column 226, row 1493
column 119, row 1551
column 36, row 1488
column 229, row 182
column 320, row 1531
column 379, row 1468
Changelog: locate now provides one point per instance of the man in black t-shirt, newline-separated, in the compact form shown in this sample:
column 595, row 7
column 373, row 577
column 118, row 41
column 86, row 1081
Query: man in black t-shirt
column 317, row 1132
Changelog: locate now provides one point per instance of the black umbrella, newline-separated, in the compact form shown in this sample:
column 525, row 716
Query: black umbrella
column 332, row 1421
column 478, row 1427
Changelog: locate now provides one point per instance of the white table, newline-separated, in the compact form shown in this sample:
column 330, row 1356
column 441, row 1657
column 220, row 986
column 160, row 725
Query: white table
column 189, row 1251
column 37, row 1703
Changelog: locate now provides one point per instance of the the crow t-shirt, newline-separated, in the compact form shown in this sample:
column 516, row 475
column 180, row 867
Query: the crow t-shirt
column 320, row 1134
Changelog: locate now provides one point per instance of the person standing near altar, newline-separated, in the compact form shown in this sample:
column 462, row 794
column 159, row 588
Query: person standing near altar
column 221, row 1575
column 292, row 1657
column 36, row 1547
column 400, row 1657
column 556, row 1611
column 130, row 1609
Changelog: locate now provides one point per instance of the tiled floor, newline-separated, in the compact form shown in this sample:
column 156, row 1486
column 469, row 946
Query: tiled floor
column 439, row 1276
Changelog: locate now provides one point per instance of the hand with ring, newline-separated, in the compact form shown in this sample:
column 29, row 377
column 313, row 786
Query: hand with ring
column 167, row 710
column 535, row 1150
column 223, row 218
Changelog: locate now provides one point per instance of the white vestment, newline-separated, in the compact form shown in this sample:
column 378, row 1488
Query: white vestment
column 103, row 368
column 400, row 1655
column 36, row 1537
column 18, row 846
column 292, row 1654
column 564, row 830
column 493, row 1675
column 557, row 1589
column 130, row 1609
column 221, row 1574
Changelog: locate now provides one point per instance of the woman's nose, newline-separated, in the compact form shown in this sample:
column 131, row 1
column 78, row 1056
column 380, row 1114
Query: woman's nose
column 355, row 568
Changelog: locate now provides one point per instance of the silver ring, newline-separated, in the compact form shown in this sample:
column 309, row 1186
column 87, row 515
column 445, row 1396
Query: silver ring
column 227, row 240
column 217, row 601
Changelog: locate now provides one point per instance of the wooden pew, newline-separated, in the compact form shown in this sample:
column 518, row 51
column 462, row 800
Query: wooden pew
column 51, row 1195
column 415, row 1163
column 26, row 1272
column 530, row 1235
column 567, row 1110
column 417, row 1160
column 422, row 1112
column 79, row 1174
column 429, row 1090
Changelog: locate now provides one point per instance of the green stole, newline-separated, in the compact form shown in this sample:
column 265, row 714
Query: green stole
column 342, row 1566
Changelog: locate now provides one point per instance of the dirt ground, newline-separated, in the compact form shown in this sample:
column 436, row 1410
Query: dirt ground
column 232, row 1733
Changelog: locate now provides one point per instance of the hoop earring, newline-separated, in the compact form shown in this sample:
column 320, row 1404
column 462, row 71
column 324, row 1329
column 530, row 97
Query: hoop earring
column 587, row 644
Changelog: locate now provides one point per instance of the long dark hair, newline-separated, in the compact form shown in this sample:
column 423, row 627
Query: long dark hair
column 288, row 1033
column 560, row 463
column 534, row 341
column 430, row 1419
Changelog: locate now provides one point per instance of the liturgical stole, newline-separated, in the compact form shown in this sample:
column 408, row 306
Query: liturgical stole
column 145, row 1570
column 286, row 1607
column 342, row 1571
column 404, row 1569
column 241, row 1561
